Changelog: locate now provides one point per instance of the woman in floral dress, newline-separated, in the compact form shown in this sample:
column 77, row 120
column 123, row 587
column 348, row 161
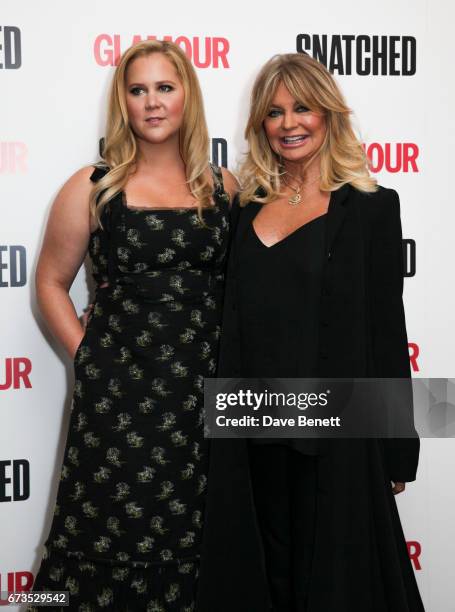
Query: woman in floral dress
column 154, row 217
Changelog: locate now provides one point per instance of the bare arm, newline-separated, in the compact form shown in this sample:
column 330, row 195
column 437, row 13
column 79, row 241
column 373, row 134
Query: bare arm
column 62, row 254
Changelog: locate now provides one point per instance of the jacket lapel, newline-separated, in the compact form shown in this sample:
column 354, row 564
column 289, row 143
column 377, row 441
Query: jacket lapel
column 336, row 214
column 246, row 217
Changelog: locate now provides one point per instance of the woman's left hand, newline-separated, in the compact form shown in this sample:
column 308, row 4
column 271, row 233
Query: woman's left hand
column 398, row 487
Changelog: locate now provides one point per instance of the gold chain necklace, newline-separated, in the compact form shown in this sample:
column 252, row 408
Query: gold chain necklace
column 297, row 198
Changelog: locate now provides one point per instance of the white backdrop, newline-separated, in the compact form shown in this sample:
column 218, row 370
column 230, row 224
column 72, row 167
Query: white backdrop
column 53, row 94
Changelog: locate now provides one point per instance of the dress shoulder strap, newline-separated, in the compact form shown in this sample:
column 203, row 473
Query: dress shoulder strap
column 217, row 177
column 99, row 171
column 219, row 193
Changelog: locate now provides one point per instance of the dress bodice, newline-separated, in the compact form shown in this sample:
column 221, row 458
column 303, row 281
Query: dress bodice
column 134, row 245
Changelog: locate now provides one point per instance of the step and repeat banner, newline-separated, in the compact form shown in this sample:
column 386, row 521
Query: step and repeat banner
column 394, row 64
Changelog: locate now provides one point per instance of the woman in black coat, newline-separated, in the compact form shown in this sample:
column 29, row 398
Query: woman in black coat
column 314, row 289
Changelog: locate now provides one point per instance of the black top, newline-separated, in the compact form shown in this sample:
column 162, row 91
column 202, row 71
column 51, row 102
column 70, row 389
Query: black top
column 279, row 328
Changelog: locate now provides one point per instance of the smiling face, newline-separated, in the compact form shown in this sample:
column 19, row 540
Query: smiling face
column 293, row 131
column 154, row 98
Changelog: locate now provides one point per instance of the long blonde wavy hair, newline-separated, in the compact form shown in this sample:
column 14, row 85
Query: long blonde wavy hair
column 343, row 159
column 120, row 149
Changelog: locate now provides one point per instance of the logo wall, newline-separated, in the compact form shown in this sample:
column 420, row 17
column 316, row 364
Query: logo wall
column 343, row 54
column 17, row 372
column 414, row 552
column 10, row 48
column 13, row 157
column 392, row 157
column 361, row 54
column 14, row 480
column 13, row 265
column 207, row 52
column 15, row 582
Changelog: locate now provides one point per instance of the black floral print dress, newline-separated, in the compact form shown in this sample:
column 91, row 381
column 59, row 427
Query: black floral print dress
column 127, row 527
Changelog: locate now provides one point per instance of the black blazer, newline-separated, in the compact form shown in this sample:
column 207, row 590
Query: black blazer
column 362, row 334
column 362, row 330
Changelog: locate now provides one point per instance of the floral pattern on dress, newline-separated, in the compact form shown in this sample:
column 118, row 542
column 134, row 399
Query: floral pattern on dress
column 128, row 516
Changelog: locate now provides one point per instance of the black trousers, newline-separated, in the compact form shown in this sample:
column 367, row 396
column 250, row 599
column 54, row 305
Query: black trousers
column 284, row 486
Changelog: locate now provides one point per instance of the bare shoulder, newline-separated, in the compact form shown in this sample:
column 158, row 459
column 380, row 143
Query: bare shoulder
column 73, row 200
column 231, row 184
column 68, row 231
column 77, row 186
column 71, row 207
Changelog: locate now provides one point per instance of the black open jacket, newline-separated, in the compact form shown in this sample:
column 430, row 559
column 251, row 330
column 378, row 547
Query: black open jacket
column 362, row 333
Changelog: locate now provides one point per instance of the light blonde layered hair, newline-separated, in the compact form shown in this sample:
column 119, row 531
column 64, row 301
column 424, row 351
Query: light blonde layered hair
column 343, row 159
column 120, row 148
